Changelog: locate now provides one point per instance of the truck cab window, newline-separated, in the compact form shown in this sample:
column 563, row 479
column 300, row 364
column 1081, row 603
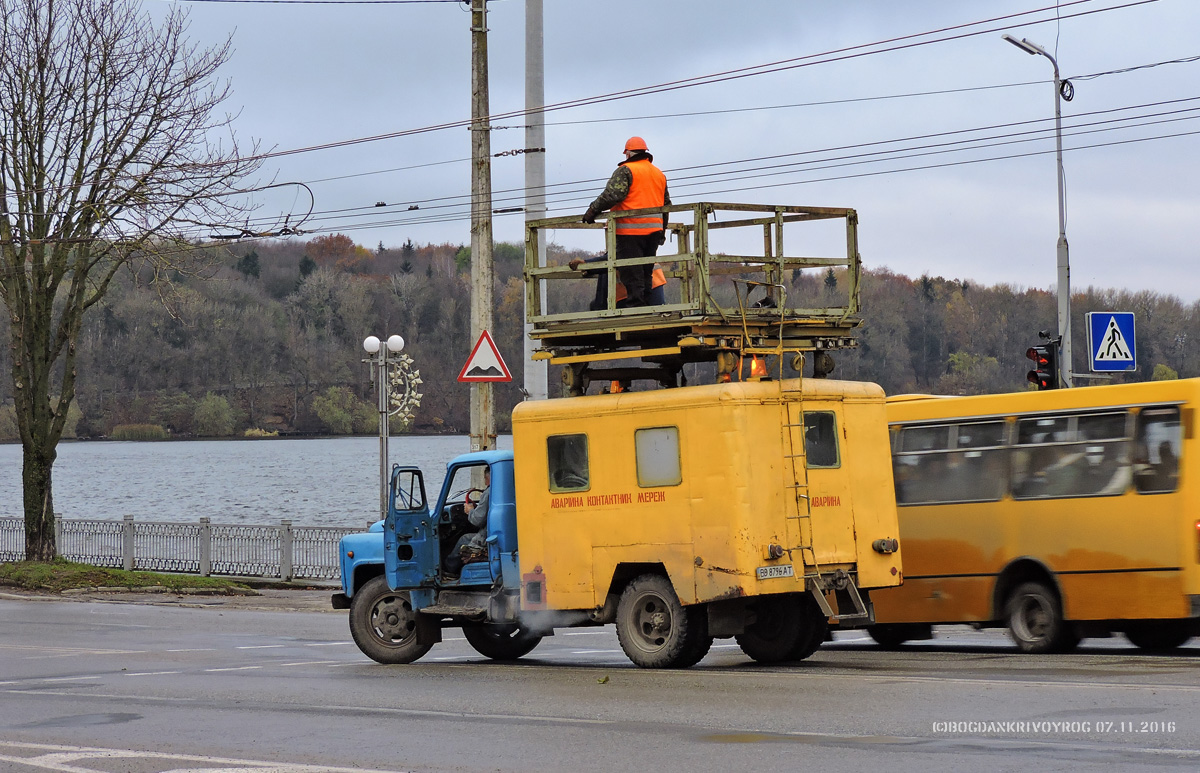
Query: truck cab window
column 567, row 462
column 657, row 452
column 820, row 439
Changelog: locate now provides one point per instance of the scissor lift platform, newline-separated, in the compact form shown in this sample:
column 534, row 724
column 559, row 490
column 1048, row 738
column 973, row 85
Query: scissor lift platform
column 709, row 315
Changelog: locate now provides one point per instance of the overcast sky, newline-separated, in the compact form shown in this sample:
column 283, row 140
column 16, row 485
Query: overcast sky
column 309, row 74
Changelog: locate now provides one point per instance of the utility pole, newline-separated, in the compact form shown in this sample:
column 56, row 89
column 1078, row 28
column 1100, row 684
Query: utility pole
column 483, row 414
column 536, row 373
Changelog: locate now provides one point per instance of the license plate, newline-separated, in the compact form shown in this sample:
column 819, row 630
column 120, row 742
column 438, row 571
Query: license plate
column 771, row 572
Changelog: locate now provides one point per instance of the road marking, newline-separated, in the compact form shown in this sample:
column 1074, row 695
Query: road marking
column 586, row 633
column 260, row 647
column 197, row 649
column 307, row 663
column 68, row 678
column 234, row 668
column 595, row 652
column 327, row 644
column 151, row 673
column 68, row 759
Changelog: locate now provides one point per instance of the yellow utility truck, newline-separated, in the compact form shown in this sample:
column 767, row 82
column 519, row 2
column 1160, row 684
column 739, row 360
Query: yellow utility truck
column 759, row 510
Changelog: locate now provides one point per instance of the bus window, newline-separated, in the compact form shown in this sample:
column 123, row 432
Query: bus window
column 1071, row 456
column 1159, row 439
column 567, row 457
column 820, row 439
column 950, row 463
column 657, row 452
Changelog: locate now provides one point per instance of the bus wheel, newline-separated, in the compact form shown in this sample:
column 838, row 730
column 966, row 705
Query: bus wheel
column 1160, row 635
column 891, row 635
column 654, row 629
column 384, row 624
column 500, row 642
column 778, row 627
column 1035, row 620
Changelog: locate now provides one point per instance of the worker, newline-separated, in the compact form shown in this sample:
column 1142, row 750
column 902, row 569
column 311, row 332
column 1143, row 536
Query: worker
column 656, row 297
column 636, row 184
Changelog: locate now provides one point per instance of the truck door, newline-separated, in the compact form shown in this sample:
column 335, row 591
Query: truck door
column 826, row 458
column 410, row 549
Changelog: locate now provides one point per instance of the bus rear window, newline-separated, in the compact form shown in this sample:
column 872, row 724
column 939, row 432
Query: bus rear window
column 1156, row 458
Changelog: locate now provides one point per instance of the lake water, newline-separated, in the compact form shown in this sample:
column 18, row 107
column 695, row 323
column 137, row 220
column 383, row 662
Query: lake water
column 313, row 482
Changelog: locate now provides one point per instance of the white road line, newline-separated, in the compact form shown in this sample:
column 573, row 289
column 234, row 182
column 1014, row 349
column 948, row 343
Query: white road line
column 235, row 668
column 151, row 673
column 197, row 649
column 595, row 652
column 327, row 644
column 68, row 678
column 307, row 663
column 585, row 633
column 59, row 758
column 260, row 647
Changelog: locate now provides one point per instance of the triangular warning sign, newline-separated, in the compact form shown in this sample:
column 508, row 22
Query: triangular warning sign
column 485, row 362
column 1112, row 344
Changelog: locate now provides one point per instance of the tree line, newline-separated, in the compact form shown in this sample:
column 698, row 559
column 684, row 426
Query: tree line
column 271, row 339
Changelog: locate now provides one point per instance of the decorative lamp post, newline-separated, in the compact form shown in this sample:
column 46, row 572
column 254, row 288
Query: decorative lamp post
column 1062, row 90
column 396, row 383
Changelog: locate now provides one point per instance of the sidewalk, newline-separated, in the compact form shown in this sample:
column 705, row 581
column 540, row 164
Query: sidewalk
column 265, row 599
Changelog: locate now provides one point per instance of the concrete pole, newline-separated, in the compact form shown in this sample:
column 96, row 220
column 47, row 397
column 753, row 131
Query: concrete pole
column 483, row 417
column 536, row 372
column 1064, row 260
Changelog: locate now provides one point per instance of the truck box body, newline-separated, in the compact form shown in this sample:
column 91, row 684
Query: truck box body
column 735, row 483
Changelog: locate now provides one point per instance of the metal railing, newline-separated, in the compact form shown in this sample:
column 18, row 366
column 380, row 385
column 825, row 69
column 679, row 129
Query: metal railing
column 284, row 552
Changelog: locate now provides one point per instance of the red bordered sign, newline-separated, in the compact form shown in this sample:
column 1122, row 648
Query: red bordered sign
column 485, row 362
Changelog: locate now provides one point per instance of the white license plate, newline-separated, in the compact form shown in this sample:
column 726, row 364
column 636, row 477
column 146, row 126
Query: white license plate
column 771, row 572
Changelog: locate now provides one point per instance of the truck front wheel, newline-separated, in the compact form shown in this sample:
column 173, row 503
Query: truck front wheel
column 500, row 642
column 655, row 630
column 384, row 624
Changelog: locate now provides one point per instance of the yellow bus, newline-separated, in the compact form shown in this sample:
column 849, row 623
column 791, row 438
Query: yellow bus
column 1060, row 514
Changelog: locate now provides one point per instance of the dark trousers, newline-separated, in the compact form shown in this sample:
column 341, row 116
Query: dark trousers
column 637, row 278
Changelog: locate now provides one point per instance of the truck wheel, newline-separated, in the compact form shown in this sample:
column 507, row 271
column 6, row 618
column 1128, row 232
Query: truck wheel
column 780, row 628
column 654, row 629
column 500, row 642
column 816, row 630
column 1035, row 620
column 384, row 624
column 1160, row 635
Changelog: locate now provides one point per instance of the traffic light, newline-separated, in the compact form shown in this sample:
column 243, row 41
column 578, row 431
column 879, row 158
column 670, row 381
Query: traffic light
column 1045, row 364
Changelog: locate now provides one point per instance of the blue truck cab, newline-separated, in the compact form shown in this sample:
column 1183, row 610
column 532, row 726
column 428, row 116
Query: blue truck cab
column 426, row 567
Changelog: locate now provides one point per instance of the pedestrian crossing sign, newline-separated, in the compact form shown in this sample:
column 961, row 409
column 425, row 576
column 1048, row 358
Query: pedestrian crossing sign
column 1111, row 341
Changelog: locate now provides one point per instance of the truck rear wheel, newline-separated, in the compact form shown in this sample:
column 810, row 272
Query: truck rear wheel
column 780, row 628
column 1035, row 620
column 655, row 630
column 500, row 642
column 816, row 629
column 384, row 624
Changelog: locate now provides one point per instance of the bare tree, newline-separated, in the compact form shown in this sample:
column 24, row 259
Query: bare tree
column 109, row 157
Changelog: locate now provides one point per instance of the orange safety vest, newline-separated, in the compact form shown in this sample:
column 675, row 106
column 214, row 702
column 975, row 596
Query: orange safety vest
column 657, row 279
column 647, row 189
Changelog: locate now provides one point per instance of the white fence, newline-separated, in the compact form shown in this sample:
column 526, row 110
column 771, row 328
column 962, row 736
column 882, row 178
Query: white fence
column 285, row 551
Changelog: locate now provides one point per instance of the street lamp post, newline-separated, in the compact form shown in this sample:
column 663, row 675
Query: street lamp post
column 1064, row 264
column 388, row 366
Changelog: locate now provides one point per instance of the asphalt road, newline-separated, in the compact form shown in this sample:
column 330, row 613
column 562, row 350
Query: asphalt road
column 274, row 684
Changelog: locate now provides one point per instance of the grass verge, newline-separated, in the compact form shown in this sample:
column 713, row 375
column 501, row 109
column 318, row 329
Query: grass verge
column 60, row 575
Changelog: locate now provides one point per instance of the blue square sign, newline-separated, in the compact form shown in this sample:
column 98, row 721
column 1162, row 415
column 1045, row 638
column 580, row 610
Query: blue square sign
column 1111, row 341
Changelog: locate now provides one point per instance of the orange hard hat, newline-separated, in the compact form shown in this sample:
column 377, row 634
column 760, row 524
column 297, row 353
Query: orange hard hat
column 635, row 143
